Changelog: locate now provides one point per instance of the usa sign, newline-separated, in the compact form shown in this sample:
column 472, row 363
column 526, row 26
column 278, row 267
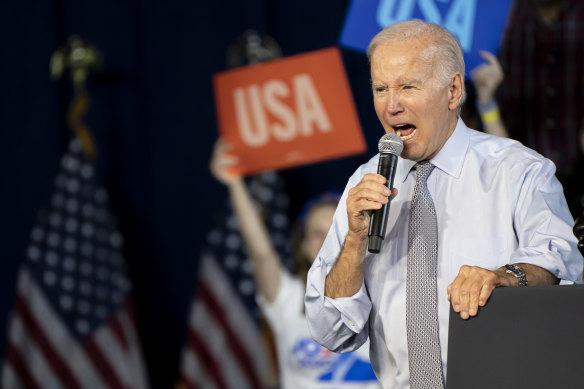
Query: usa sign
column 478, row 24
column 288, row 112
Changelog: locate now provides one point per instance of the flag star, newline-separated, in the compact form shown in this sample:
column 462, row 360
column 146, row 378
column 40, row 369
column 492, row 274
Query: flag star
column 71, row 225
column 83, row 306
column 50, row 278
column 85, row 287
column 88, row 210
column 69, row 264
column 86, row 268
column 86, row 249
column 82, row 326
column 86, row 171
column 67, row 283
column 66, row 302
column 58, row 200
column 279, row 220
column 246, row 286
column 53, row 239
column 73, row 186
column 55, row 220
column 51, row 258
column 231, row 261
column 214, row 237
column 37, row 234
column 70, row 245
column 100, row 196
column 233, row 241
column 72, row 205
column 34, row 253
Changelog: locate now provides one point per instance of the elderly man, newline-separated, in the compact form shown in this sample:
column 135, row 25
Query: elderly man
column 474, row 212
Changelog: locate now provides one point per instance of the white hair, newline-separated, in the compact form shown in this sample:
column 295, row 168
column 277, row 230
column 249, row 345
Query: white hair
column 444, row 54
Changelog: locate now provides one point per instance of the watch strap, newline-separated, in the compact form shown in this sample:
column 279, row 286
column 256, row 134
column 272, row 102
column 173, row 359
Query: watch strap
column 517, row 272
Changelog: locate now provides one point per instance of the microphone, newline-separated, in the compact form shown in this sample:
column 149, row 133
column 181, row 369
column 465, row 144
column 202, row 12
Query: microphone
column 390, row 146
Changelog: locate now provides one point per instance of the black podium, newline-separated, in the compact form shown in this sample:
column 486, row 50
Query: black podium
column 531, row 337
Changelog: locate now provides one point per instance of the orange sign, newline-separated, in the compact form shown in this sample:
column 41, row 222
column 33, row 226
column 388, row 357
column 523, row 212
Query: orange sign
column 288, row 112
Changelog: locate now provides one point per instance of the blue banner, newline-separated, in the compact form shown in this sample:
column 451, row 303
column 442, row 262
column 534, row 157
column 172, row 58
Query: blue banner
column 478, row 24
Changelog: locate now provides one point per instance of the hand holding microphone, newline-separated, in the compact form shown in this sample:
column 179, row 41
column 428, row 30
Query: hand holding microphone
column 390, row 147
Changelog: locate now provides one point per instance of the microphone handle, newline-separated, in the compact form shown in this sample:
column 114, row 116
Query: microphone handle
column 378, row 224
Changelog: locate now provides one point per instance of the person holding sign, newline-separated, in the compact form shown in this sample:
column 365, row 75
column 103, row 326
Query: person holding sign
column 474, row 212
column 302, row 362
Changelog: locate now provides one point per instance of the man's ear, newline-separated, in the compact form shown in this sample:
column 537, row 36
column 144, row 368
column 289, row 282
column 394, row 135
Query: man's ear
column 455, row 90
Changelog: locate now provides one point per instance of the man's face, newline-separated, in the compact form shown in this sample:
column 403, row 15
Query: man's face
column 410, row 100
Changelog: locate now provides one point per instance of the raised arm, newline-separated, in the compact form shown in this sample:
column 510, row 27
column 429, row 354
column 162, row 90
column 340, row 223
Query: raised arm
column 487, row 77
column 265, row 262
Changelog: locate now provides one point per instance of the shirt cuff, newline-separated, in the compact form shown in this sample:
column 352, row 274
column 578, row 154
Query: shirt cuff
column 354, row 310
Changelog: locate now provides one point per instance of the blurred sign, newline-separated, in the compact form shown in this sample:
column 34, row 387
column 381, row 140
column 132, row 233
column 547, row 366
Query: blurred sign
column 288, row 112
column 478, row 24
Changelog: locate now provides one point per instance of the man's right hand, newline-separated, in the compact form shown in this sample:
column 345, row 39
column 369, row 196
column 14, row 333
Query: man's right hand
column 369, row 194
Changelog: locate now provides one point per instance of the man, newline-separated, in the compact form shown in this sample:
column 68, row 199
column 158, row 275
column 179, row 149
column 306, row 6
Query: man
column 493, row 203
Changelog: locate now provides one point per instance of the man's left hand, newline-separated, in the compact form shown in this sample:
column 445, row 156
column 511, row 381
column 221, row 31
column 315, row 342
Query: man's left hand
column 472, row 288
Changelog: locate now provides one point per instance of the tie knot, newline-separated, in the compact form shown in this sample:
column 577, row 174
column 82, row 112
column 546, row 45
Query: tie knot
column 423, row 170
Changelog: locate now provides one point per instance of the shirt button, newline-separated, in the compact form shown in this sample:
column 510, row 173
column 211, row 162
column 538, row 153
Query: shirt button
column 351, row 323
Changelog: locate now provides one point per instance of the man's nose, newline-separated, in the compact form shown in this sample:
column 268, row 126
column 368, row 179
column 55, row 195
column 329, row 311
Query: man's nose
column 394, row 105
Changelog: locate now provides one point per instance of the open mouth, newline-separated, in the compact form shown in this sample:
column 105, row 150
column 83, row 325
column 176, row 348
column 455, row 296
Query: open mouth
column 405, row 131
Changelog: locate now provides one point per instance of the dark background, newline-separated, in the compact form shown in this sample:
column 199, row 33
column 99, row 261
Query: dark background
column 153, row 117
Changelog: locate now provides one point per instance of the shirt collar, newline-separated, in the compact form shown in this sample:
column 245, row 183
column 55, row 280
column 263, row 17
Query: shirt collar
column 451, row 156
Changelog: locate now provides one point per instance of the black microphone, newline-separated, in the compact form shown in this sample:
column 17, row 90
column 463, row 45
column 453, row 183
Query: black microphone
column 390, row 146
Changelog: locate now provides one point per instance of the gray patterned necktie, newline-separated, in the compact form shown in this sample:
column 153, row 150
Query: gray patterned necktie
column 425, row 362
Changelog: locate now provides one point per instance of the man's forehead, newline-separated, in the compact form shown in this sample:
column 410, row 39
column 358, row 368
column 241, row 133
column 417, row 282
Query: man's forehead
column 401, row 63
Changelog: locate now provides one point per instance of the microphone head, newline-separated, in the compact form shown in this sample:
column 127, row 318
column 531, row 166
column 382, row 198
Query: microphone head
column 390, row 143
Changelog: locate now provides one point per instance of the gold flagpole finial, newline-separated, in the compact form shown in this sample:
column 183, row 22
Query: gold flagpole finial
column 79, row 57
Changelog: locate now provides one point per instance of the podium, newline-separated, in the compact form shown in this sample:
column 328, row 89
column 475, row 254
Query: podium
column 531, row 337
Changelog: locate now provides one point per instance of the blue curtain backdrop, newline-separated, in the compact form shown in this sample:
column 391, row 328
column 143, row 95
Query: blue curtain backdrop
column 154, row 119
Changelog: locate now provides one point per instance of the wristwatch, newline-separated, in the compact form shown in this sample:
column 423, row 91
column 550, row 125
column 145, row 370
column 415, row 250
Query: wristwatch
column 517, row 272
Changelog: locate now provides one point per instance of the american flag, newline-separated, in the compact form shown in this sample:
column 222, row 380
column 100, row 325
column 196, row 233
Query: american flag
column 72, row 324
column 225, row 347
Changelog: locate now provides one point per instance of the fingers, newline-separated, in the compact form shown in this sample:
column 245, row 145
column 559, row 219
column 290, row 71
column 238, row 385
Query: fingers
column 369, row 194
column 222, row 163
column 489, row 57
column 471, row 289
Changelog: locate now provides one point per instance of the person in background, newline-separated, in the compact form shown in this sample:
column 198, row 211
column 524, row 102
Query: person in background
column 474, row 212
column 542, row 100
column 303, row 364
column 486, row 78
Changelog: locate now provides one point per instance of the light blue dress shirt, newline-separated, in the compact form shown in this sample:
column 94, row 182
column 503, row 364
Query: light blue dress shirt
column 497, row 202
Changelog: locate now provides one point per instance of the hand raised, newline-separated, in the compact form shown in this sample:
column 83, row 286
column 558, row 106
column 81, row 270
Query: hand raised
column 222, row 162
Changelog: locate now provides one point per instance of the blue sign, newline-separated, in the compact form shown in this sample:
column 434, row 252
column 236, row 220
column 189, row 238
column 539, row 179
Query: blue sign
column 478, row 24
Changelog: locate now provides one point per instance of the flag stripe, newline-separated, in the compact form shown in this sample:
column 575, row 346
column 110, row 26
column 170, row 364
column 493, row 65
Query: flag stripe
column 211, row 365
column 102, row 364
column 234, row 311
column 20, row 369
column 216, row 343
column 134, row 361
column 60, row 338
column 194, row 371
column 118, row 331
column 35, row 362
column 239, row 351
column 55, row 361
column 68, row 328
